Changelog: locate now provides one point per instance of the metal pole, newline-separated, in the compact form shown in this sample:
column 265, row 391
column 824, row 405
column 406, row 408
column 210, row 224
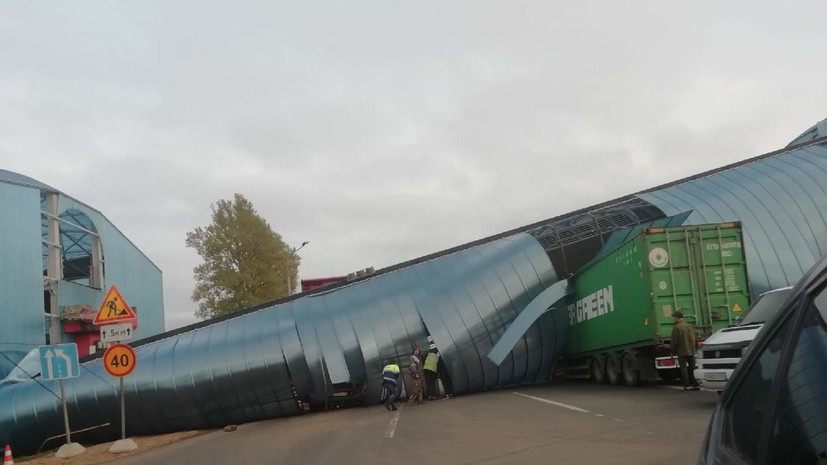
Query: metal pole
column 65, row 413
column 123, row 412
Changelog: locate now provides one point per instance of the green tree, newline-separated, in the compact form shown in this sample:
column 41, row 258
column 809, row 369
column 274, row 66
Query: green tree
column 246, row 263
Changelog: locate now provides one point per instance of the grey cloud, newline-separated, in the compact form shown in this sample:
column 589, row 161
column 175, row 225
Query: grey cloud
column 383, row 131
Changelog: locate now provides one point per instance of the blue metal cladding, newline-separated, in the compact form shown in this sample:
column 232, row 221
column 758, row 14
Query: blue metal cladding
column 21, row 274
column 138, row 279
column 781, row 201
column 264, row 363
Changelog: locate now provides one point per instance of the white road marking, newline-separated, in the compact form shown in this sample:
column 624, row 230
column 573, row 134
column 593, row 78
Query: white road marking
column 559, row 404
column 599, row 414
column 618, row 419
column 392, row 425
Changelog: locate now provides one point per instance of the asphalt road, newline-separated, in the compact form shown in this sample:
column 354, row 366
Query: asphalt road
column 571, row 423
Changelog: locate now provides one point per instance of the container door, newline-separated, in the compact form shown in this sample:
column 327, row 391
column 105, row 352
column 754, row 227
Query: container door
column 671, row 268
column 720, row 272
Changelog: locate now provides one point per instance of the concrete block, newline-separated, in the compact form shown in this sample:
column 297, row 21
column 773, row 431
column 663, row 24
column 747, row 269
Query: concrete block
column 123, row 445
column 70, row 450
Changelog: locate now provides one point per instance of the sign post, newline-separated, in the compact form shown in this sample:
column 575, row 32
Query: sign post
column 116, row 319
column 60, row 362
column 119, row 361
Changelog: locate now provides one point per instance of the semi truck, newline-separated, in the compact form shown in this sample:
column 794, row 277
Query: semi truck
column 624, row 300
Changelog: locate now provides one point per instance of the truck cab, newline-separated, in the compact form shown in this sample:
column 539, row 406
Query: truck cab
column 721, row 352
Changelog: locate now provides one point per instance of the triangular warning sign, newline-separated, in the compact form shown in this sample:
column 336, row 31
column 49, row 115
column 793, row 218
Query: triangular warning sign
column 736, row 308
column 114, row 308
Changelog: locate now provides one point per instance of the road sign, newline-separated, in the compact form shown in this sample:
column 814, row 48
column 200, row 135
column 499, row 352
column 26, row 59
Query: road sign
column 59, row 361
column 115, row 333
column 119, row 360
column 114, row 308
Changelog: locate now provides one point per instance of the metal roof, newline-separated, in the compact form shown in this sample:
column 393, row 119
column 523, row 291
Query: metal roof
column 815, row 132
column 11, row 177
column 780, row 199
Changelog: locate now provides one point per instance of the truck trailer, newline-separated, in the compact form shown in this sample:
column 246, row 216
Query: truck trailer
column 622, row 318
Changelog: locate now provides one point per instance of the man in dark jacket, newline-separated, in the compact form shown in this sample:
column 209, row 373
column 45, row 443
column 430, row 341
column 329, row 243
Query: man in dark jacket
column 442, row 371
column 683, row 345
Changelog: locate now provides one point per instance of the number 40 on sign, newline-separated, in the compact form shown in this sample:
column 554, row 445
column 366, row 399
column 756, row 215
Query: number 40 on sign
column 119, row 360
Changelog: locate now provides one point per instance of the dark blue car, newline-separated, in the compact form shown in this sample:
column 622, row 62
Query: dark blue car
column 774, row 410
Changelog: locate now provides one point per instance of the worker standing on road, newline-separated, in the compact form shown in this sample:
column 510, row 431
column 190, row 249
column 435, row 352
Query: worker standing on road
column 683, row 346
column 447, row 384
column 417, row 375
column 390, row 374
column 430, row 368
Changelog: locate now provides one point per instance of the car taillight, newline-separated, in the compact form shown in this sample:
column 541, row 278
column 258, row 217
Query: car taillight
column 668, row 362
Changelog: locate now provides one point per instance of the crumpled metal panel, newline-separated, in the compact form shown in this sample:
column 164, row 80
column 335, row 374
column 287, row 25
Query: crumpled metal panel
column 264, row 364
column 557, row 298
column 781, row 201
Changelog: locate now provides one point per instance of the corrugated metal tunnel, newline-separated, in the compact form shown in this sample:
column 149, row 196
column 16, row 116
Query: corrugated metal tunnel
column 265, row 363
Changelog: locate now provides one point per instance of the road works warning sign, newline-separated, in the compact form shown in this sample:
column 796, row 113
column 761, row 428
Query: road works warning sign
column 114, row 308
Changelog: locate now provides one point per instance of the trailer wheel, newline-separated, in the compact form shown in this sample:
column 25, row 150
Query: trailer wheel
column 613, row 369
column 631, row 370
column 598, row 369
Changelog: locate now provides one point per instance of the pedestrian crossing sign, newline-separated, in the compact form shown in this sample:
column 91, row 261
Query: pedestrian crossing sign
column 114, row 308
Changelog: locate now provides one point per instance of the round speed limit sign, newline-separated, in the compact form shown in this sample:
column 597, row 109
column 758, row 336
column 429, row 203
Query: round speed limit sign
column 119, row 360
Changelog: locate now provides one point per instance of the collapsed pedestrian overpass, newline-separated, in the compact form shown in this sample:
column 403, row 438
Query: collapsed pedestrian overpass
column 496, row 308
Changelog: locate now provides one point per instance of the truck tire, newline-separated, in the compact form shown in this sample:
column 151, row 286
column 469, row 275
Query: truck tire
column 598, row 369
column 631, row 370
column 614, row 371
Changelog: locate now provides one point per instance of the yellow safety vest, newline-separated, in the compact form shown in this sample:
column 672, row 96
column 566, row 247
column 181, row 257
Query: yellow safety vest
column 430, row 362
column 393, row 368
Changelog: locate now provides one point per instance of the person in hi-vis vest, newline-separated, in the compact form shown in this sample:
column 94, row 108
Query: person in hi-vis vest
column 430, row 368
column 389, row 376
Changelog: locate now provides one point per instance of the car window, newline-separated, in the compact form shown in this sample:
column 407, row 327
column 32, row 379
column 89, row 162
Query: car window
column 765, row 308
column 746, row 410
column 800, row 429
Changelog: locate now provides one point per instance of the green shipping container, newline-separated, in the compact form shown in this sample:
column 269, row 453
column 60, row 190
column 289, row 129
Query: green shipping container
column 626, row 299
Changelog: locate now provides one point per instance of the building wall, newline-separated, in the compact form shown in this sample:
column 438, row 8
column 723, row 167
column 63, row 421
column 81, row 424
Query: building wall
column 138, row 279
column 22, row 320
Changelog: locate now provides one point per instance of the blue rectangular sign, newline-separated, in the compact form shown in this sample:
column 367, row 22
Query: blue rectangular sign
column 59, row 361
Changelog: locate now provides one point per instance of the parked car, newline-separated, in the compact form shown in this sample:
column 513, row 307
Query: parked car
column 774, row 410
column 721, row 352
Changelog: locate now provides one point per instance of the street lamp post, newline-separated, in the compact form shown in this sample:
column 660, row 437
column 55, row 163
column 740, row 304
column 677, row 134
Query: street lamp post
column 293, row 252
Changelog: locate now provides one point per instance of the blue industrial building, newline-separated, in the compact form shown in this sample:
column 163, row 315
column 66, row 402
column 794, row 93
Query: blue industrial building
column 496, row 308
column 58, row 256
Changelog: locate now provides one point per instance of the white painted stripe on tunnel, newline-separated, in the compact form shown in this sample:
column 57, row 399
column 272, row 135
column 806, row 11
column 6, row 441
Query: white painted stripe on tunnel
column 392, row 425
column 559, row 404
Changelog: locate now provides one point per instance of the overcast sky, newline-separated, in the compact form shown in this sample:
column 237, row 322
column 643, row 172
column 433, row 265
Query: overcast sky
column 383, row 131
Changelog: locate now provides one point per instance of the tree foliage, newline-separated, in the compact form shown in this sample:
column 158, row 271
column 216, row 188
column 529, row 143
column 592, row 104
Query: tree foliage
column 246, row 263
